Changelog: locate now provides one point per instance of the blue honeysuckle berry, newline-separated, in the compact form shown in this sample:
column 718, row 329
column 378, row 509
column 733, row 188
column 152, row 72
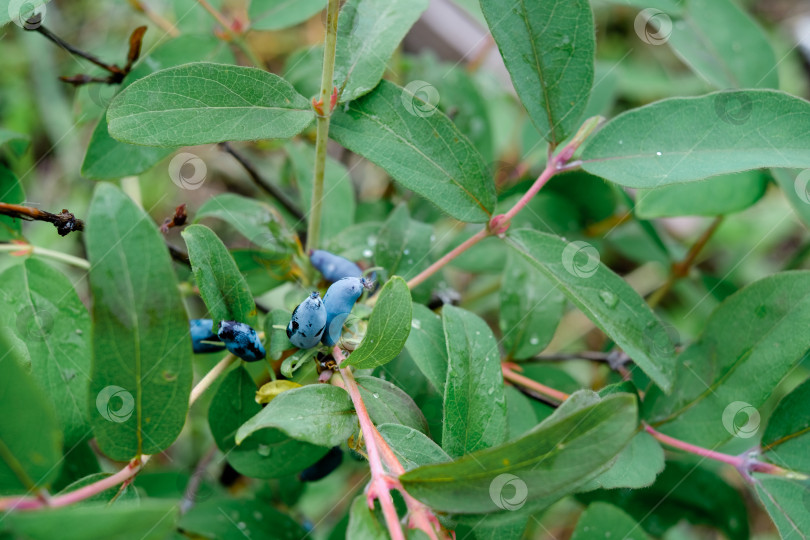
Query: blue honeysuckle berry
column 307, row 322
column 241, row 340
column 333, row 267
column 203, row 330
column 339, row 301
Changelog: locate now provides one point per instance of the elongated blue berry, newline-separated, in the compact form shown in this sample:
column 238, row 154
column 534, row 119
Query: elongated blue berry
column 339, row 301
column 307, row 322
column 241, row 340
column 203, row 330
column 333, row 267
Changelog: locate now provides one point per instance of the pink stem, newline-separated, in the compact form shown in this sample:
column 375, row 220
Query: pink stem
column 452, row 254
column 124, row 475
column 379, row 486
column 551, row 169
column 531, row 384
column 743, row 463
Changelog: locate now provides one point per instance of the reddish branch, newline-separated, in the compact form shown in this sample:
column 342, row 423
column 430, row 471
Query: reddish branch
column 65, row 222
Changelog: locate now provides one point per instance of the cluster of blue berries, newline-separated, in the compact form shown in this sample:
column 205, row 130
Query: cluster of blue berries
column 239, row 338
column 321, row 321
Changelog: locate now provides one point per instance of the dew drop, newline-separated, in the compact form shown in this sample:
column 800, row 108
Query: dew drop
column 368, row 253
column 263, row 450
column 257, row 515
column 534, row 340
column 659, row 154
column 406, row 252
column 609, row 299
column 376, row 395
column 416, row 323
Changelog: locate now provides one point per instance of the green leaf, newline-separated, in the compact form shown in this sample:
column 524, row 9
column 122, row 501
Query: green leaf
column 388, row 327
column 636, row 466
column 606, row 521
column 389, row 404
column 368, row 33
column 222, row 287
column 43, row 311
column 604, row 297
column 427, row 347
column 19, row 12
column 107, row 158
column 147, row 520
column 203, row 102
column 277, row 340
column 254, row 219
column 686, row 139
column 363, row 524
column 719, row 195
column 237, row 519
column 474, row 402
column 30, row 440
column 531, row 307
column 141, row 373
column 403, row 248
column 735, row 54
column 337, row 212
column 320, row 414
column 278, row 14
column 17, row 142
column 267, row 453
column 12, row 193
column 684, row 491
column 786, row 438
column 794, row 184
column 548, row 461
column 420, row 148
column 787, row 502
column 548, row 48
column 412, row 448
column 750, row 342
column 520, row 415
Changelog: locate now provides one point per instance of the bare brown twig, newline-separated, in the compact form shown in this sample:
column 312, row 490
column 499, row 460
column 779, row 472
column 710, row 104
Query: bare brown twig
column 65, row 222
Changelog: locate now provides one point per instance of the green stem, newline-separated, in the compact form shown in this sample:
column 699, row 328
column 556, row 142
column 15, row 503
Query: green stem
column 48, row 253
column 322, row 137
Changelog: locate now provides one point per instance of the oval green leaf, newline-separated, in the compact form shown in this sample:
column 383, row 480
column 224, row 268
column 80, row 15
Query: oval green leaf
column 388, row 327
column 686, row 139
column 320, row 414
column 420, row 148
column 549, row 460
column 141, row 373
column 42, row 310
column 604, row 297
column 222, row 286
column 389, row 404
column 548, row 48
column 474, row 401
column 202, row 102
